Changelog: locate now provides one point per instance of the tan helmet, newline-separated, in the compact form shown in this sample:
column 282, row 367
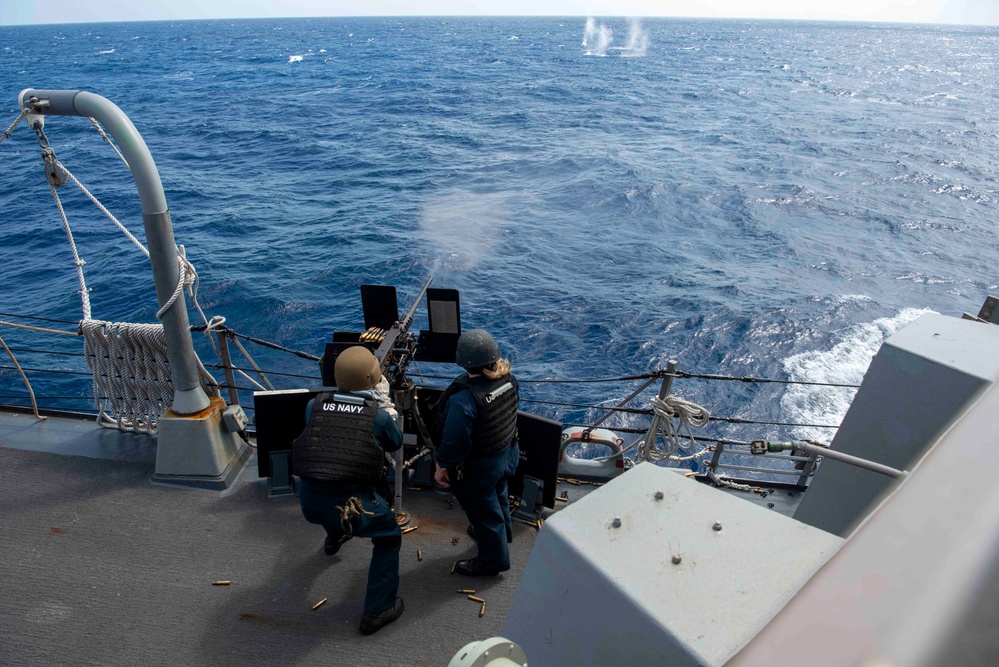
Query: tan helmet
column 356, row 369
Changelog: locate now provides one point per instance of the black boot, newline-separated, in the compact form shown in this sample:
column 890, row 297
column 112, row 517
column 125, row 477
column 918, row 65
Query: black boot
column 473, row 568
column 331, row 546
column 372, row 623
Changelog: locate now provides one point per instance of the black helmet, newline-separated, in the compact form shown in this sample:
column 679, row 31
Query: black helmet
column 476, row 349
column 356, row 369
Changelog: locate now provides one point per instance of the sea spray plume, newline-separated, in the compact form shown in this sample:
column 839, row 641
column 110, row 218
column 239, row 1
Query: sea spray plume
column 589, row 32
column 463, row 226
column 596, row 38
column 638, row 40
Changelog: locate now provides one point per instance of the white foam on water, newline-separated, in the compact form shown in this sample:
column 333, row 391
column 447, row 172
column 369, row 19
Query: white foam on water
column 295, row 59
column 845, row 363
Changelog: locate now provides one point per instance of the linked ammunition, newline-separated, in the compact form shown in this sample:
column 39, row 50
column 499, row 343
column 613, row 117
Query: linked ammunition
column 221, row 582
column 319, row 604
column 409, row 530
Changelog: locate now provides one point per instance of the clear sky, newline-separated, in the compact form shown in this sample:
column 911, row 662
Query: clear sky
column 16, row 12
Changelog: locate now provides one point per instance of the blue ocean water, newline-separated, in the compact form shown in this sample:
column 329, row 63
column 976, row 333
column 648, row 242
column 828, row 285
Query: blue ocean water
column 768, row 199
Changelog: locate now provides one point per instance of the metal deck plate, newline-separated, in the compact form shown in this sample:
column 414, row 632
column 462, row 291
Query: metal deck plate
column 594, row 593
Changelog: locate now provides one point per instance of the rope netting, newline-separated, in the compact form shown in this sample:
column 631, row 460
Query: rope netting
column 133, row 386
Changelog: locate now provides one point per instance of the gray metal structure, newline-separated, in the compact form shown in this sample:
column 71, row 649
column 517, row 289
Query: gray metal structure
column 654, row 569
column 189, row 397
column 194, row 448
column 916, row 584
column 921, row 379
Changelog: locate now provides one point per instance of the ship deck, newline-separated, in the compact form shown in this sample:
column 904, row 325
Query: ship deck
column 102, row 567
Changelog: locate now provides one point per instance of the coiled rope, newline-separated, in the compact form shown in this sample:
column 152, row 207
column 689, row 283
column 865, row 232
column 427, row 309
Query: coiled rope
column 688, row 415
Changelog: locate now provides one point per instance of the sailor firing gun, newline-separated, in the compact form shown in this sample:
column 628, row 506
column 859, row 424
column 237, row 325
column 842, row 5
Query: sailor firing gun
column 395, row 346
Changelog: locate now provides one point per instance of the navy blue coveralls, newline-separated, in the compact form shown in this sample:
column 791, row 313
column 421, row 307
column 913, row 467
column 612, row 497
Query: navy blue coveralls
column 481, row 488
column 319, row 500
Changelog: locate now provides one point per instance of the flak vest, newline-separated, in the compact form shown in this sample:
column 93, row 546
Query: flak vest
column 496, row 402
column 338, row 443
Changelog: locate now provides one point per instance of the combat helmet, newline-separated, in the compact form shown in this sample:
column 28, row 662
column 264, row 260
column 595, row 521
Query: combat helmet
column 476, row 349
column 356, row 369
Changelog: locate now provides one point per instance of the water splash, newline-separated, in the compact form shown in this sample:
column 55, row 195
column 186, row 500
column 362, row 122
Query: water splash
column 638, row 40
column 596, row 39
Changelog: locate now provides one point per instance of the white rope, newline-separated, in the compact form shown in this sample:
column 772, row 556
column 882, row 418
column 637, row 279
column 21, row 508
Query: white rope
column 103, row 210
column 84, row 292
column 42, row 329
column 107, row 139
column 688, row 415
column 187, row 277
column 133, row 385
column 713, row 476
column 9, row 130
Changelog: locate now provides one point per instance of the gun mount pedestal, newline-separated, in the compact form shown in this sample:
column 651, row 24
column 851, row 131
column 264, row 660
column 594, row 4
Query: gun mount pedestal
column 197, row 450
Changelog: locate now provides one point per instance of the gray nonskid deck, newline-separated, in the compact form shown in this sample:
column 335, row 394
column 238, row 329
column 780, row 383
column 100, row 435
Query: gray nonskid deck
column 101, row 567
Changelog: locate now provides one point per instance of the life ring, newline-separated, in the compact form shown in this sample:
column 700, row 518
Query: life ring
column 603, row 467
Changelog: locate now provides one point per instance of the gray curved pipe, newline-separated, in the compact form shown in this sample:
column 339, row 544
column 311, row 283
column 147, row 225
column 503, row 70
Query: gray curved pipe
column 189, row 397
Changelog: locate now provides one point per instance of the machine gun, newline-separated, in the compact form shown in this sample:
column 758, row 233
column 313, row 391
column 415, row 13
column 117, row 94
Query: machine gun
column 388, row 336
column 280, row 415
column 397, row 346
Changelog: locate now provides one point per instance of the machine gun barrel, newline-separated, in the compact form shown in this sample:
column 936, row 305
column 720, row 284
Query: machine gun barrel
column 384, row 351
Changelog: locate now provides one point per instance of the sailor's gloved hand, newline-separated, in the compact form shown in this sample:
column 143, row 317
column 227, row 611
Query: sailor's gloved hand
column 384, row 402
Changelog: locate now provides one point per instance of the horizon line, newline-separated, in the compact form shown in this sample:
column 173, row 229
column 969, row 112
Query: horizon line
column 509, row 16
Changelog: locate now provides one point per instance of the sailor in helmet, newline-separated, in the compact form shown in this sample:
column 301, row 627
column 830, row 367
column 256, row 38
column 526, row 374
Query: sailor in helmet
column 478, row 452
column 339, row 458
